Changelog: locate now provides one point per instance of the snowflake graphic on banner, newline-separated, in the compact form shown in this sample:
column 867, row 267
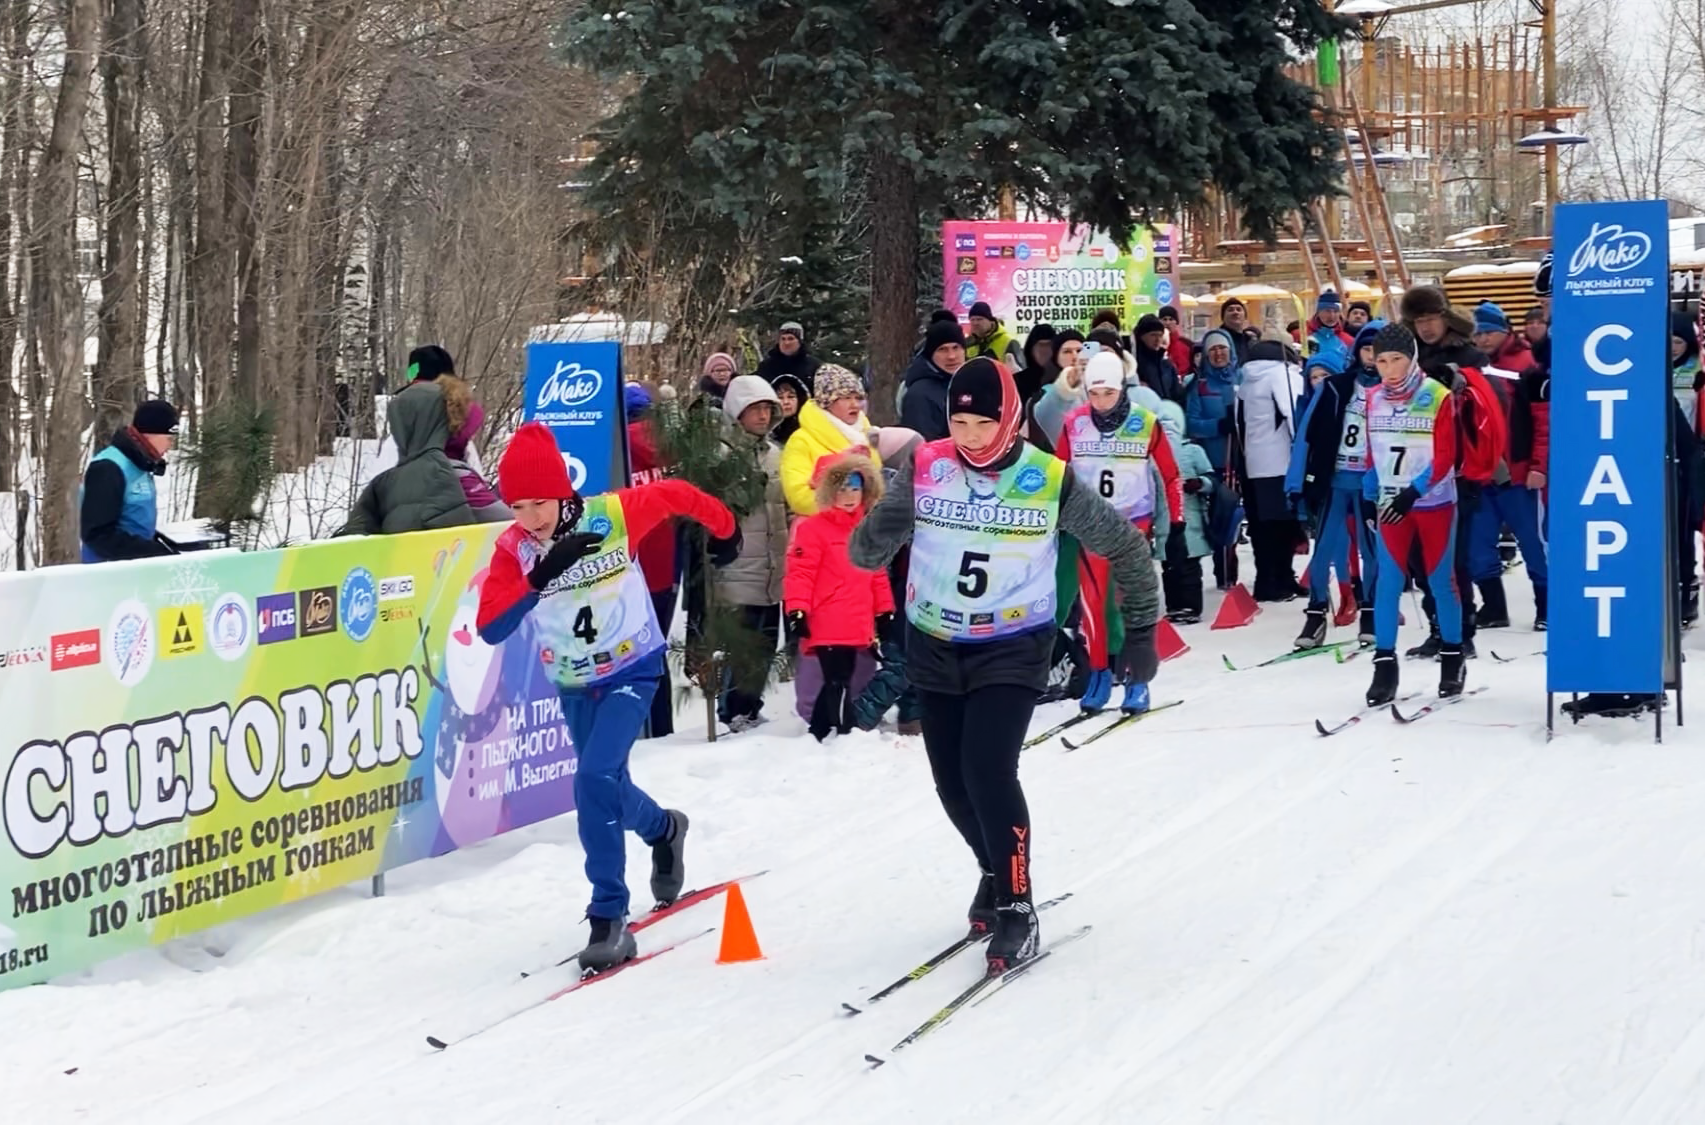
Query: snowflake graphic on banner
column 188, row 584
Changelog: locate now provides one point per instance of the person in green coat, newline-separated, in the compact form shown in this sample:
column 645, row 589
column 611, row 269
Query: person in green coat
column 1187, row 543
column 989, row 337
column 421, row 491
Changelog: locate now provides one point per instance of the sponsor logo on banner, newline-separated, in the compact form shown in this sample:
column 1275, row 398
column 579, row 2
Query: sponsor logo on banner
column 316, row 611
column 1609, row 248
column 230, row 629
column 275, row 616
column 18, row 657
column 79, row 649
column 180, row 630
column 130, row 642
column 967, row 265
column 567, row 387
column 396, row 588
column 390, row 613
column 355, row 603
column 964, row 242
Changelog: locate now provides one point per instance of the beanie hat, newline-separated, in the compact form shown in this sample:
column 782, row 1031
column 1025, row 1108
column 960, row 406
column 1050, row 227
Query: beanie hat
column 1396, row 338
column 637, row 399
column 835, row 382
column 940, row 315
column 532, row 467
column 1104, row 372
column 942, row 332
column 792, row 328
column 156, row 416
column 1105, row 316
column 1424, row 300
column 981, row 308
column 430, row 361
column 1231, row 302
column 986, row 388
column 1147, row 323
column 720, row 359
column 1169, row 311
column 1328, row 300
column 1488, row 317
column 1363, row 305
column 1330, row 358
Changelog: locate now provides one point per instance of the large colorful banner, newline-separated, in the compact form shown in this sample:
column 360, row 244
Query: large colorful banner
column 191, row 740
column 1054, row 273
column 1611, row 599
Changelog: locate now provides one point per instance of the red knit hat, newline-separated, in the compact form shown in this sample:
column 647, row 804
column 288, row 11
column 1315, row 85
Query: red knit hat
column 532, row 467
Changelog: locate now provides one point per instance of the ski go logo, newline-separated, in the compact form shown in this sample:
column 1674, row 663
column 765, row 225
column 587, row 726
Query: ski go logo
column 1610, row 248
column 567, row 387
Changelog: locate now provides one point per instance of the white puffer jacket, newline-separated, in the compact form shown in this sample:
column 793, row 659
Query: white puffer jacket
column 1268, row 395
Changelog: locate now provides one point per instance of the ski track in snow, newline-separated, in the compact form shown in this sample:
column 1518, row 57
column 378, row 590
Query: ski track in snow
column 1451, row 922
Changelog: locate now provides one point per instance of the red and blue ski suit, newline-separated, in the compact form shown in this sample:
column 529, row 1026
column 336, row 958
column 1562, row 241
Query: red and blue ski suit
column 599, row 637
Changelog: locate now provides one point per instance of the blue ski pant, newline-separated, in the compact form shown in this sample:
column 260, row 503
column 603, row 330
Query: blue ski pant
column 1514, row 507
column 1426, row 538
column 604, row 720
column 1332, row 548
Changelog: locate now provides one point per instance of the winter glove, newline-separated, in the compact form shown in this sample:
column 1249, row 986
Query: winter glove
column 797, row 630
column 1400, row 505
column 1138, row 660
column 884, row 627
column 725, row 551
column 1194, row 484
column 564, row 553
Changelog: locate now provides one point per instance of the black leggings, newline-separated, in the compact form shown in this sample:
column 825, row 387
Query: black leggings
column 973, row 742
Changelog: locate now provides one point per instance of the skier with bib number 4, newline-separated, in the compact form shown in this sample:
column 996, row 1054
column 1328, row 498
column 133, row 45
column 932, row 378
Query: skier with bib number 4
column 568, row 561
column 1410, row 497
column 983, row 510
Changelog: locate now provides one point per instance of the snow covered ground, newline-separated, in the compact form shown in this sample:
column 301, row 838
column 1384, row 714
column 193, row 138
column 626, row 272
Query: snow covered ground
column 1453, row 922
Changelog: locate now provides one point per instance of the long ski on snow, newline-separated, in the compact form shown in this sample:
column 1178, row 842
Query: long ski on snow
column 442, row 1044
column 659, row 913
column 1432, row 708
column 936, row 962
column 1336, row 648
column 1346, row 724
column 1120, row 723
column 978, row 992
column 1516, row 657
column 1032, row 743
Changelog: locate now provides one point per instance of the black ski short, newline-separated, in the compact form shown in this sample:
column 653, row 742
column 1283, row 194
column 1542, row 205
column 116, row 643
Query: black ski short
column 973, row 741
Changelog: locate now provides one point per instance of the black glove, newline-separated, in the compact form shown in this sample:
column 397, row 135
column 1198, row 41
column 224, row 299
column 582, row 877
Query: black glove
column 1138, row 660
column 564, row 553
column 1400, row 505
column 795, row 625
column 725, row 551
column 1194, row 484
column 885, row 626
column 1228, row 424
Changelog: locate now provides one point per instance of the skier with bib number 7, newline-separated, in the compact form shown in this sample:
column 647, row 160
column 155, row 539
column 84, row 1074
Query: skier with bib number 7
column 983, row 510
column 569, row 562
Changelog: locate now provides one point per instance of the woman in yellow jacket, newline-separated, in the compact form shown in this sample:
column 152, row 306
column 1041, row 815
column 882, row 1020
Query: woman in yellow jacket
column 831, row 422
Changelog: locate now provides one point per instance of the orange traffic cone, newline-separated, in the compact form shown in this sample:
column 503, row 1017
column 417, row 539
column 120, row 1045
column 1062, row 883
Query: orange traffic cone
column 1167, row 643
column 1238, row 609
column 739, row 943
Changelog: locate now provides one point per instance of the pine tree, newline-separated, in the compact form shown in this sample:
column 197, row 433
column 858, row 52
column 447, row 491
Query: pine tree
column 232, row 455
column 745, row 123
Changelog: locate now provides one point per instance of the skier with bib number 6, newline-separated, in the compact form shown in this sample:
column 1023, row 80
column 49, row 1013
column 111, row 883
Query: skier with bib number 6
column 983, row 510
column 569, row 562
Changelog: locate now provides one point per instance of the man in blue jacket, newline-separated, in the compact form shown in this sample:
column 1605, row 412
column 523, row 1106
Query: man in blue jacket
column 1328, row 463
column 118, row 514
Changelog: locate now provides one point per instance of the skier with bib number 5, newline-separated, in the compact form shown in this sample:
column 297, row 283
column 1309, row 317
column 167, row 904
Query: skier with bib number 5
column 569, row 562
column 1410, row 496
column 983, row 511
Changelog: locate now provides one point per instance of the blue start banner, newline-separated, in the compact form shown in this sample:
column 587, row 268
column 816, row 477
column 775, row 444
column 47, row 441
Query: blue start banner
column 1610, row 419
column 576, row 390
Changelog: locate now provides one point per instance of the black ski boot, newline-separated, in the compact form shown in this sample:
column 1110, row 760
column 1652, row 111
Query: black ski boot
column 1313, row 633
column 1541, row 600
column 1427, row 649
column 982, row 913
column 1452, row 672
column 611, row 944
column 668, row 860
column 1383, row 690
column 1365, row 631
column 1494, row 606
column 1016, row 937
column 1611, row 705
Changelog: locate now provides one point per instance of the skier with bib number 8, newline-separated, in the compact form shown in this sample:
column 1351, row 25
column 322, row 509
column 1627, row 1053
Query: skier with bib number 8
column 983, row 510
column 568, row 561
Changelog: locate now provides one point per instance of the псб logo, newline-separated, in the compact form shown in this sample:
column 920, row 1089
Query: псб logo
column 1610, row 249
column 569, row 385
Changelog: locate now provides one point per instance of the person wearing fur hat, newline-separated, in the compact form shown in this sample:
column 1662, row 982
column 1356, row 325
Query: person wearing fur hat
column 984, row 511
column 832, row 421
column 1329, row 461
column 834, row 608
column 1410, row 490
column 789, row 356
column 923, row 400
column 118, row 515
column 567, row 565
column 752, row 583
column 1118, row 450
